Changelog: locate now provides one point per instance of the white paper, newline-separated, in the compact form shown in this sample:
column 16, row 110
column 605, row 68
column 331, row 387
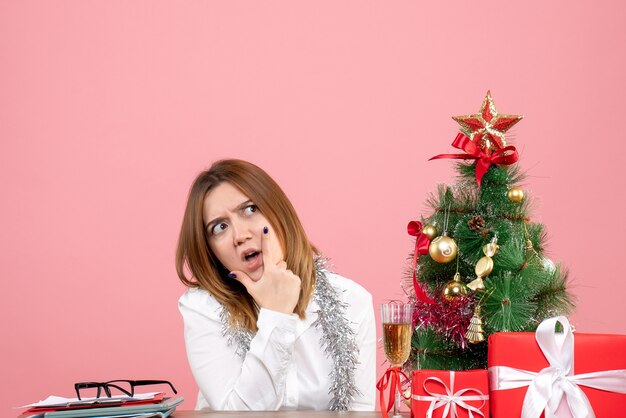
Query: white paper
column 52, row 401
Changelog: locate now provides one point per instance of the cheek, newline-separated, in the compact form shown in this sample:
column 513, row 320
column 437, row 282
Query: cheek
column 219, row 249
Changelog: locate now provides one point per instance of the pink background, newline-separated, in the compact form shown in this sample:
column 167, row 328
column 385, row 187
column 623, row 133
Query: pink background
column 108, row 110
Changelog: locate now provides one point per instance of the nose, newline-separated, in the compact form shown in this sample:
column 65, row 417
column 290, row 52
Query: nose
column 241, row 232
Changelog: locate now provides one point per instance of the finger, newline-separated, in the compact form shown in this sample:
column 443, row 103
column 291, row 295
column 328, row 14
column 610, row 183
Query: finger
column 242, row 278
column 266, row 248
column 282, row 265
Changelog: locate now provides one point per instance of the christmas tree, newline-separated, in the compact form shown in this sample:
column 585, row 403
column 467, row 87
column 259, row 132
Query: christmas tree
column 478, row 265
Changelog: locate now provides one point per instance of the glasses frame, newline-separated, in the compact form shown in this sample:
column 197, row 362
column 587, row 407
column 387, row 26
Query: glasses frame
column 106, row 386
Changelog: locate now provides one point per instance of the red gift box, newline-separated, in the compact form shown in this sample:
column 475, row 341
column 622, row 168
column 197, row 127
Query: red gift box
column 443, row 393
column 592, row 359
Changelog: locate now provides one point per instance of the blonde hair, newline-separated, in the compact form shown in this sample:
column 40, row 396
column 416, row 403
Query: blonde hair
column 206, row 271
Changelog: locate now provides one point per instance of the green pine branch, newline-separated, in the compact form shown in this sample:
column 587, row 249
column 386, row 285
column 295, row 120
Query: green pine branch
column 432, row 351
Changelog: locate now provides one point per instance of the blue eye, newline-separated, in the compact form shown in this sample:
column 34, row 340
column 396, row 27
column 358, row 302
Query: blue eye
column 219, row 228
column 250, row 209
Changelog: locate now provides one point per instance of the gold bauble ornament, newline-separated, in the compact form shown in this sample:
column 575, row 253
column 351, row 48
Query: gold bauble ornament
column 431, row 231
column 515, row 194
column 442, row 249
column 454, row 289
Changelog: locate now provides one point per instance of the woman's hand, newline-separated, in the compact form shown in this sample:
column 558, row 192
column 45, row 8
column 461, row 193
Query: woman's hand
column 278, row 289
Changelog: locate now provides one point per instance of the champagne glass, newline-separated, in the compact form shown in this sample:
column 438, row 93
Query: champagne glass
column 397, row 318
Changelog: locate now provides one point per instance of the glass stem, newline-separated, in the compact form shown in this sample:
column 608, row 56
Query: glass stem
column 396, row 404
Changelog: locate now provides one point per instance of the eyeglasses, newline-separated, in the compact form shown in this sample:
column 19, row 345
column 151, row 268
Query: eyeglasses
column 125, row 386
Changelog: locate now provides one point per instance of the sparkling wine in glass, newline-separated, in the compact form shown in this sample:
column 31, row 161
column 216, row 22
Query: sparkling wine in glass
column 397, row 318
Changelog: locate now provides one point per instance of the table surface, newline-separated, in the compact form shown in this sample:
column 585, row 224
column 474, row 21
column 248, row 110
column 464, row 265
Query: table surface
column 282, row 414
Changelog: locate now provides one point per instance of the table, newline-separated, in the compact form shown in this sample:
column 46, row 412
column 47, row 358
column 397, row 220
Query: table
column 280, row 414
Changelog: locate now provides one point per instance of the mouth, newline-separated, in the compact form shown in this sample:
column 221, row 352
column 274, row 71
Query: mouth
column 252, row 259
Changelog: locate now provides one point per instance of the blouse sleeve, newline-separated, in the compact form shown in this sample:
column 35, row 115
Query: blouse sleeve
column 227, row 383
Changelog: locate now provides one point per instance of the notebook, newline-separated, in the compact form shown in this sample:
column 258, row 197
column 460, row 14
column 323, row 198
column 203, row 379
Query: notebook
column 162, row 409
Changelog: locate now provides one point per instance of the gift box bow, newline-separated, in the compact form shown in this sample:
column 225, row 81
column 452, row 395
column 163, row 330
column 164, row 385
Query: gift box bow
column 547, row 387
column 450, row 400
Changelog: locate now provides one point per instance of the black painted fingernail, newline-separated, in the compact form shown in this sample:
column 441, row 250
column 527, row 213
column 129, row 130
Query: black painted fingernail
column 232, row 275
column 265, row 230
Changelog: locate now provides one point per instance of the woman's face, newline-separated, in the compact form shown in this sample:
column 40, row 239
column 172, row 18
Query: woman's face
column 234, row 226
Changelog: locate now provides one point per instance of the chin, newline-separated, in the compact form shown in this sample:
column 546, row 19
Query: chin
column 256, row 276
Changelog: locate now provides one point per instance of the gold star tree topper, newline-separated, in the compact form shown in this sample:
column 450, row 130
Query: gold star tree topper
column 487, row 127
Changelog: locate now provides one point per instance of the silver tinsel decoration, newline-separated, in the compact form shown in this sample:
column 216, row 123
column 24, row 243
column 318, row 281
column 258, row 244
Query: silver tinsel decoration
column 337, row 339
column 239, row 336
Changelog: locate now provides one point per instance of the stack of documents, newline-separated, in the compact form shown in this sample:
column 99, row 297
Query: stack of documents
column 142, row 405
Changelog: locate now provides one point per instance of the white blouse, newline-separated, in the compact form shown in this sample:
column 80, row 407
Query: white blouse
column 285, row 367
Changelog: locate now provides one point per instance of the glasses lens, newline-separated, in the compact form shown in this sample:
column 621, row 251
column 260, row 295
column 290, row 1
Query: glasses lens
column 119, row 387
column 89, row 392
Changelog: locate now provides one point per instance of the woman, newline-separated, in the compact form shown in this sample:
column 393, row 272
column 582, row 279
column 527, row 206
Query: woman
column 267, row 326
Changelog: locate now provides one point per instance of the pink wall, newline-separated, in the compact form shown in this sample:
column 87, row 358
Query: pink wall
column 108, row 109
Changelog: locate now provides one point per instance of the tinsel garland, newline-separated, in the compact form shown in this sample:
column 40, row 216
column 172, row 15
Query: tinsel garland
column 449, row 319
column 238, row 336
column 337, row 340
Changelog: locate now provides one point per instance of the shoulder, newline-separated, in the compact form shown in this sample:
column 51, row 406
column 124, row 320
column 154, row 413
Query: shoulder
column 199, row 301
column 349, row 290
column 359, row 309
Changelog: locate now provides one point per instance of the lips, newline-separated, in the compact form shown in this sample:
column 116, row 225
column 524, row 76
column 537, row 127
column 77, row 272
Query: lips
column 252, row 259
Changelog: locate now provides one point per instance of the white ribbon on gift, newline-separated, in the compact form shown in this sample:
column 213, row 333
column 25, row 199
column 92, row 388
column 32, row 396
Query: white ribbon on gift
column 547, row 387
column 450, row 400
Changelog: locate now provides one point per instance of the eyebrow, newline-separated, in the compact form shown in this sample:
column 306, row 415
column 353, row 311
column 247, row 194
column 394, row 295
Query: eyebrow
column 221, row 218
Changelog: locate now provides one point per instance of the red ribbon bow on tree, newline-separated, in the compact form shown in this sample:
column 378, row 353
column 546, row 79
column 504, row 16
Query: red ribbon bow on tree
column 391, row 376
column 503, row 156
column 414, row 228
